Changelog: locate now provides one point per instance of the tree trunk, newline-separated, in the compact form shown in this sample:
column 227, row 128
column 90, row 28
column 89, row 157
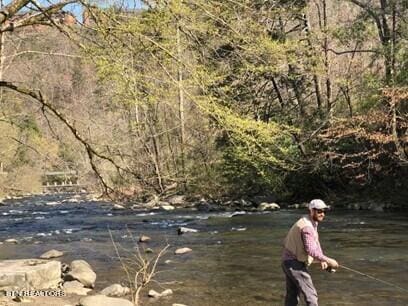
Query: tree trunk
column 326, row 60
column 400, row 150
column 181, row 105
column 316, row 81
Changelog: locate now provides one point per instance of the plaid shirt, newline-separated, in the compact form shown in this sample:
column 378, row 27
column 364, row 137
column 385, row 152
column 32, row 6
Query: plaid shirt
column 311, row 243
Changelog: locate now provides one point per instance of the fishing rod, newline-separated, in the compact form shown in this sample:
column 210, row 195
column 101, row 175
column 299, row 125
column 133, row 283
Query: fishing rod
column 369, row 276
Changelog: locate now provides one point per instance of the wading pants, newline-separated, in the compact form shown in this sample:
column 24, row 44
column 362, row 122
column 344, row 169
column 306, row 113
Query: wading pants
column 298, row 282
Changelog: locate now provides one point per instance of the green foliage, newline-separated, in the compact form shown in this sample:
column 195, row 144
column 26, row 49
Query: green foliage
column 217, row 97
column 370, row 96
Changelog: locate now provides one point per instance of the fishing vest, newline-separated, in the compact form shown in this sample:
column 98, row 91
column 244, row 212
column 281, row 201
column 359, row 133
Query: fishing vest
column 294, row 243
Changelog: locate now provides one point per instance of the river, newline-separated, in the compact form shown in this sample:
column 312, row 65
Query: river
column 235, row 260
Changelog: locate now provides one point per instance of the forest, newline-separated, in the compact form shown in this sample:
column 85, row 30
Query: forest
column 216, row 99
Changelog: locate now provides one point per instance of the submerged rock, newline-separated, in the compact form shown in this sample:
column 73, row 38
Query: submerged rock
column 183, row 251
column 183, row 230
column 239, row 229
column 118, row 207
column 166, row 207
column 238, row 213
column 294, row 206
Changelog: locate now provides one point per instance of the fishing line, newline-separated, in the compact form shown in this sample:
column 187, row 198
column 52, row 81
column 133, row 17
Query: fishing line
column 374, row 278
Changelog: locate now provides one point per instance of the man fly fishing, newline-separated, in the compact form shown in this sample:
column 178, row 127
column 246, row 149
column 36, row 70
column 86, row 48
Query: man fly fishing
column 301, row 248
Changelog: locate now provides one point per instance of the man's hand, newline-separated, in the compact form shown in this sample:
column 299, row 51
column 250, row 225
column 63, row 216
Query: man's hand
column 324, row 265
column 332, row 263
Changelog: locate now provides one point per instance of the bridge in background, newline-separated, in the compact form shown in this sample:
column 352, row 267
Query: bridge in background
column 62, row 182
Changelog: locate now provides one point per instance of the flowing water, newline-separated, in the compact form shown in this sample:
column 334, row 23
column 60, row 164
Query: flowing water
column 235, row 260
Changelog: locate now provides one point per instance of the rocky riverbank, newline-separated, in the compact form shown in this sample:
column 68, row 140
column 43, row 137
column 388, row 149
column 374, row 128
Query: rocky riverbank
column 226, row 252
column 254, row 204
column 48, row 281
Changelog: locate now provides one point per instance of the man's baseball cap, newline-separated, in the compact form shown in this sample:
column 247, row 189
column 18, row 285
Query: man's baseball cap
column 317, row 204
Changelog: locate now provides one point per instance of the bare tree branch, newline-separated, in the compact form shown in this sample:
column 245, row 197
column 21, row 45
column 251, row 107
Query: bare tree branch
column 44, row 53
column 352, row 51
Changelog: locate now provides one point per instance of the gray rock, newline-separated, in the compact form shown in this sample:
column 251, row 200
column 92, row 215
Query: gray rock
column 75, row 287
column 268, row 206
column 53, row 203
column 299, row 205
column 183, row 230
column 29, row 273
column 244, row 203
column 183, row 251
column 264, row 198
column 239, row 229
column 118, row 207
column 376, row 207
column 51, row 254
column 115, row 290
column 153, row 202
column 102, row 300
column 80, row 270
column 144, row 238
column 11, row 240
column 177, row 200
column 149, row 251
column 166, row 292
column 166, row 206
column 154, row 294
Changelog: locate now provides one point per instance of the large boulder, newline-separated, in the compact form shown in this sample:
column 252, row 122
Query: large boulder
column 102, row 300
column 81, row 271
column 29, row 273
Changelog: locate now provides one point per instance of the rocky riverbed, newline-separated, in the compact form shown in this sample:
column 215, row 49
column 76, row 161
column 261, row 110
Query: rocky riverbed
column 227, row 257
